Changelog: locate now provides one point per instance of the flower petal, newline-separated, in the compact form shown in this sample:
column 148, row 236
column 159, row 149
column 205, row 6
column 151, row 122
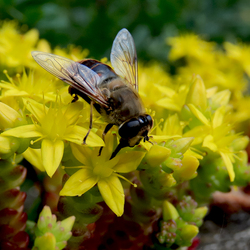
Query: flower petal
column 218, row 117
column 82, row 153
column 52, row 153
column 73, row 111
column 209, row 143
column 198, row 114
column 129, row 161
column 113, row 194
column 169, row 103
column 34, row 156
column 37, row 109
column 229, row 165
column 25, row 131
column 76, row 134
column 79, row 183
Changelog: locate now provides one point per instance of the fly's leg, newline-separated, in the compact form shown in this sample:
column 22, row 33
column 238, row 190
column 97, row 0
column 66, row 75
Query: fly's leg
column 90, row 121
column 123, row 143
column 108, row 127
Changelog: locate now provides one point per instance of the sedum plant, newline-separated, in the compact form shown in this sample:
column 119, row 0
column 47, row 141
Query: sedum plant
column 151, row 195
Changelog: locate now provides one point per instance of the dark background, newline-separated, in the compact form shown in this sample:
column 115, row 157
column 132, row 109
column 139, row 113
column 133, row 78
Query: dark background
column 94, row 24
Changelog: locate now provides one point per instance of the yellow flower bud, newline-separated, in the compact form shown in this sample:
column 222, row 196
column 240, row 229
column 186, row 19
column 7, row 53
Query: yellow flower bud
column 169, row 211
column 8, row 116
column 188, row 232
column 197, row 94
column 45, row 242
column 182, row 145
column 156, row 155
column 200, row 212
column 187, row 170
column 240, row 143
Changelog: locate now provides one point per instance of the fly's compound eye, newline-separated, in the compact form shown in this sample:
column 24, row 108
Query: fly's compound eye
column 130, row 128
column 150, row 120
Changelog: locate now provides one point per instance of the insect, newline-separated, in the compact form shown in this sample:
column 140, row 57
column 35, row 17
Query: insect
column 113, row 93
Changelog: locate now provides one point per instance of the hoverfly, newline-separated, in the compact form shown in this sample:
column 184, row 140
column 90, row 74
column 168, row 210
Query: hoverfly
column 113, row 93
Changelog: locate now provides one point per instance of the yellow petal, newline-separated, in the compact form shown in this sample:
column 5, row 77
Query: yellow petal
column 156, row 155
column 129, row 161
column 52, row 153
column 79, row 183
column 8, row 116
column 198, row 114
column 188, row 169
column 76, row 134
column 162, row 138
column 221, row 98
column 25, row 131
column 113, row 194
column 211, row 91
column 72, row 112
column 81, row 153
column 209, row 143
column 197, row 94
column 34, row 156
column 229, row 165
column 199, row 133
column 218, row 117
column 37, row 109
column 169, row 103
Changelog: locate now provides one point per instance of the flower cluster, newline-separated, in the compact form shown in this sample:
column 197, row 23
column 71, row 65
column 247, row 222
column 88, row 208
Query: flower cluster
column 198, row 141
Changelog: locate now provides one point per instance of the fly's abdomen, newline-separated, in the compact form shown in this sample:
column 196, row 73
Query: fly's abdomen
column 105, row 72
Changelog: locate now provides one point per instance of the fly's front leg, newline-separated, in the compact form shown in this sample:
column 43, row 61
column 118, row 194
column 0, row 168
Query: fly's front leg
column 123, row 143
column 90, row 121
column 108, row 127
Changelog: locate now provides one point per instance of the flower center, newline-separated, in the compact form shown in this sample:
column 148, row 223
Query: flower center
column 102, row 170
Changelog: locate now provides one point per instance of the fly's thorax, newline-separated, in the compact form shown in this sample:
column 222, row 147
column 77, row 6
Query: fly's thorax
column 124, row 102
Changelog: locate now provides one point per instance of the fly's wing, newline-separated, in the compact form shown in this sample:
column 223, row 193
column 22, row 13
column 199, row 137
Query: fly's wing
column 77, row 75
column 123, row 57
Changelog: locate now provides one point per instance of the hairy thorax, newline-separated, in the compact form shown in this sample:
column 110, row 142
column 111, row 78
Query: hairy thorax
column 124, row 102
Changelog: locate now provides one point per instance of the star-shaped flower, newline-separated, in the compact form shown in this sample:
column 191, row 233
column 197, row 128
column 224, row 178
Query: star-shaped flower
column 100, row 171
column 52, row 126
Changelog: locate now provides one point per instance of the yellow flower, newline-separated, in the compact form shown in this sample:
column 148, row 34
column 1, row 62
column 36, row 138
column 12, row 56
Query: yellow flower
column 52, row 126
column 190, row 45
column 15, row 48
column 100, row 171
column 215, row 134
column 31, row 85
column 239, row 53
column 151, row 78
column 174, row 99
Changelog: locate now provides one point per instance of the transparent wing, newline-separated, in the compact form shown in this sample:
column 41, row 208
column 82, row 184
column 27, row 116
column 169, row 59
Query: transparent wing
column 123, row 57
column 77, row 75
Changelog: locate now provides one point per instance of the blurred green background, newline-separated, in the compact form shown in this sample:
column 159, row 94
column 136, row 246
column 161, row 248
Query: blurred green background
column 94, row 24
